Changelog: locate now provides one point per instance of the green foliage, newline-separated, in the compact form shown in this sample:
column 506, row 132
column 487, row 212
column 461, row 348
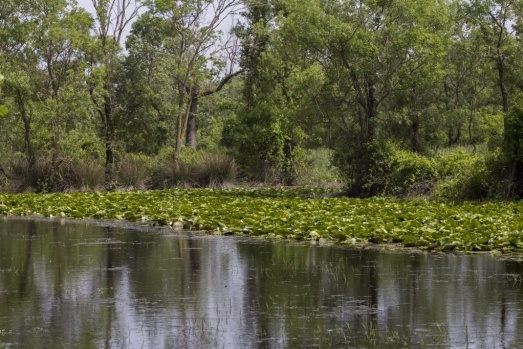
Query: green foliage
column 469, row 175
column 317, row 168
column 265, row 142
column 456, row 174
column 513, row 135
column 386, row 169
column 81, row 145
column 361, row 166
column 408, row 173
column 486, row 127
column 215, row 112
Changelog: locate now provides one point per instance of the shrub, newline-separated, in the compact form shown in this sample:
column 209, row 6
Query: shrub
column 164, row 175
column 361, row 166
column 41, row 177
column 87, row 174
column 195, row 169
column 134, row 171
column 216, row 169
column 45, row 176
column 317, row 167
column 453, row 173
column 470, row 176
column 21, row 178
column 408, row 173
column 385, row 169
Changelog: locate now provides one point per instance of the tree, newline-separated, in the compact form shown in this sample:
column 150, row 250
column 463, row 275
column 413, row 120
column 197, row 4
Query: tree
column 3, row 109
column 190, row 50
column 264, row 135
column 17, row 62
column 44, row 85
column 150, row 98
column 154, row 68
column 469, row 83
column 112, row 18
column 493, row 18
column 498, row 24
column 368, row 60
column 60, row 40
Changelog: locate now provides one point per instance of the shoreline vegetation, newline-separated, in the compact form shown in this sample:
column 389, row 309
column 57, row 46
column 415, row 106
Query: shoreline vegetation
column 312, row 214
column 394, row 98
column 416, row 106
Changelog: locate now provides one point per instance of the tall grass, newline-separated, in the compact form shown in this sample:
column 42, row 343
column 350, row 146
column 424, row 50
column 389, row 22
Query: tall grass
column 198, row 170
column 134, row 171
column 46, row 176
column 88, row 174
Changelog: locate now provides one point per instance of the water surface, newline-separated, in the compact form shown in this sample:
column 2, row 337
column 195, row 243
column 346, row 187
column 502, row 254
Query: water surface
column 80, row 285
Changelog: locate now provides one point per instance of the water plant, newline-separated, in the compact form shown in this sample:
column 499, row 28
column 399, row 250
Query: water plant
column 296, row 214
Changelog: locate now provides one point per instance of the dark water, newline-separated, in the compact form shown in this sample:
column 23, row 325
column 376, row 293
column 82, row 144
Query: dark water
column 77, row 285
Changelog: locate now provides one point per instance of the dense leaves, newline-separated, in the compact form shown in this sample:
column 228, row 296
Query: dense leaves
column 385, row 86
column 297, row 214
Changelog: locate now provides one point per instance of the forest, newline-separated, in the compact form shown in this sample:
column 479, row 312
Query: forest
column 401, row 98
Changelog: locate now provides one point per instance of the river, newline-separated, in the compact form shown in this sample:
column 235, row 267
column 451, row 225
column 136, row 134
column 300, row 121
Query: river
column 79, row 284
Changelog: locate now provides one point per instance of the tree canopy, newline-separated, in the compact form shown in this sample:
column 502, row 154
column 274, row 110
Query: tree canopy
column 265, row 82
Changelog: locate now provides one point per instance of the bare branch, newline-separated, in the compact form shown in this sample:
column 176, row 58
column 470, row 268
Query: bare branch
column 114, row 16
column 222, row 83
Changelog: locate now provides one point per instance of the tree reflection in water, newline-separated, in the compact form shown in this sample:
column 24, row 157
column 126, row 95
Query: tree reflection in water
column 66, row 284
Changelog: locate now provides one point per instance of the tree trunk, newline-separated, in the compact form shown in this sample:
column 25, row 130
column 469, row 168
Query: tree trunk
column 191, row 138
column 31, row 158
column 414, row 128
column 371, row 110
column 455, row 139
column 502, row 87
column 109, row 140
column 55, row 122
column 4, row 172
column 514, row 186
column 186, row 125
column 288, row 168
column 184, row 109
column 518, row 178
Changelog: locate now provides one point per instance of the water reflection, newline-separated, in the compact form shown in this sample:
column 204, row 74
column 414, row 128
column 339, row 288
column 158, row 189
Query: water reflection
column 77, row 285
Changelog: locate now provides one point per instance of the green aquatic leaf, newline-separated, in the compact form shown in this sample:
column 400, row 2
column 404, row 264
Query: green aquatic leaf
column 295, row 214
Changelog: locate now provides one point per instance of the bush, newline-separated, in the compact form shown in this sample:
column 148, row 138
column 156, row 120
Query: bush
column 87, row 174
column 134, row 171
column 216, row 169
column 41, row 177
column 408, row 173
column 65, row 175
column 385, row 169
column 360, row 165
column 470, row 176
column 317, row 167
column 453, row 173
column 195, row 169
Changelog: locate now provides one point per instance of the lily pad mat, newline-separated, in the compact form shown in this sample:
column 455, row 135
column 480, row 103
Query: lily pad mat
column 296, row 213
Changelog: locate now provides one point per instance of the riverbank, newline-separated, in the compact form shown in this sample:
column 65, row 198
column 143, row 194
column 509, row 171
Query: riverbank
column 297, row 214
